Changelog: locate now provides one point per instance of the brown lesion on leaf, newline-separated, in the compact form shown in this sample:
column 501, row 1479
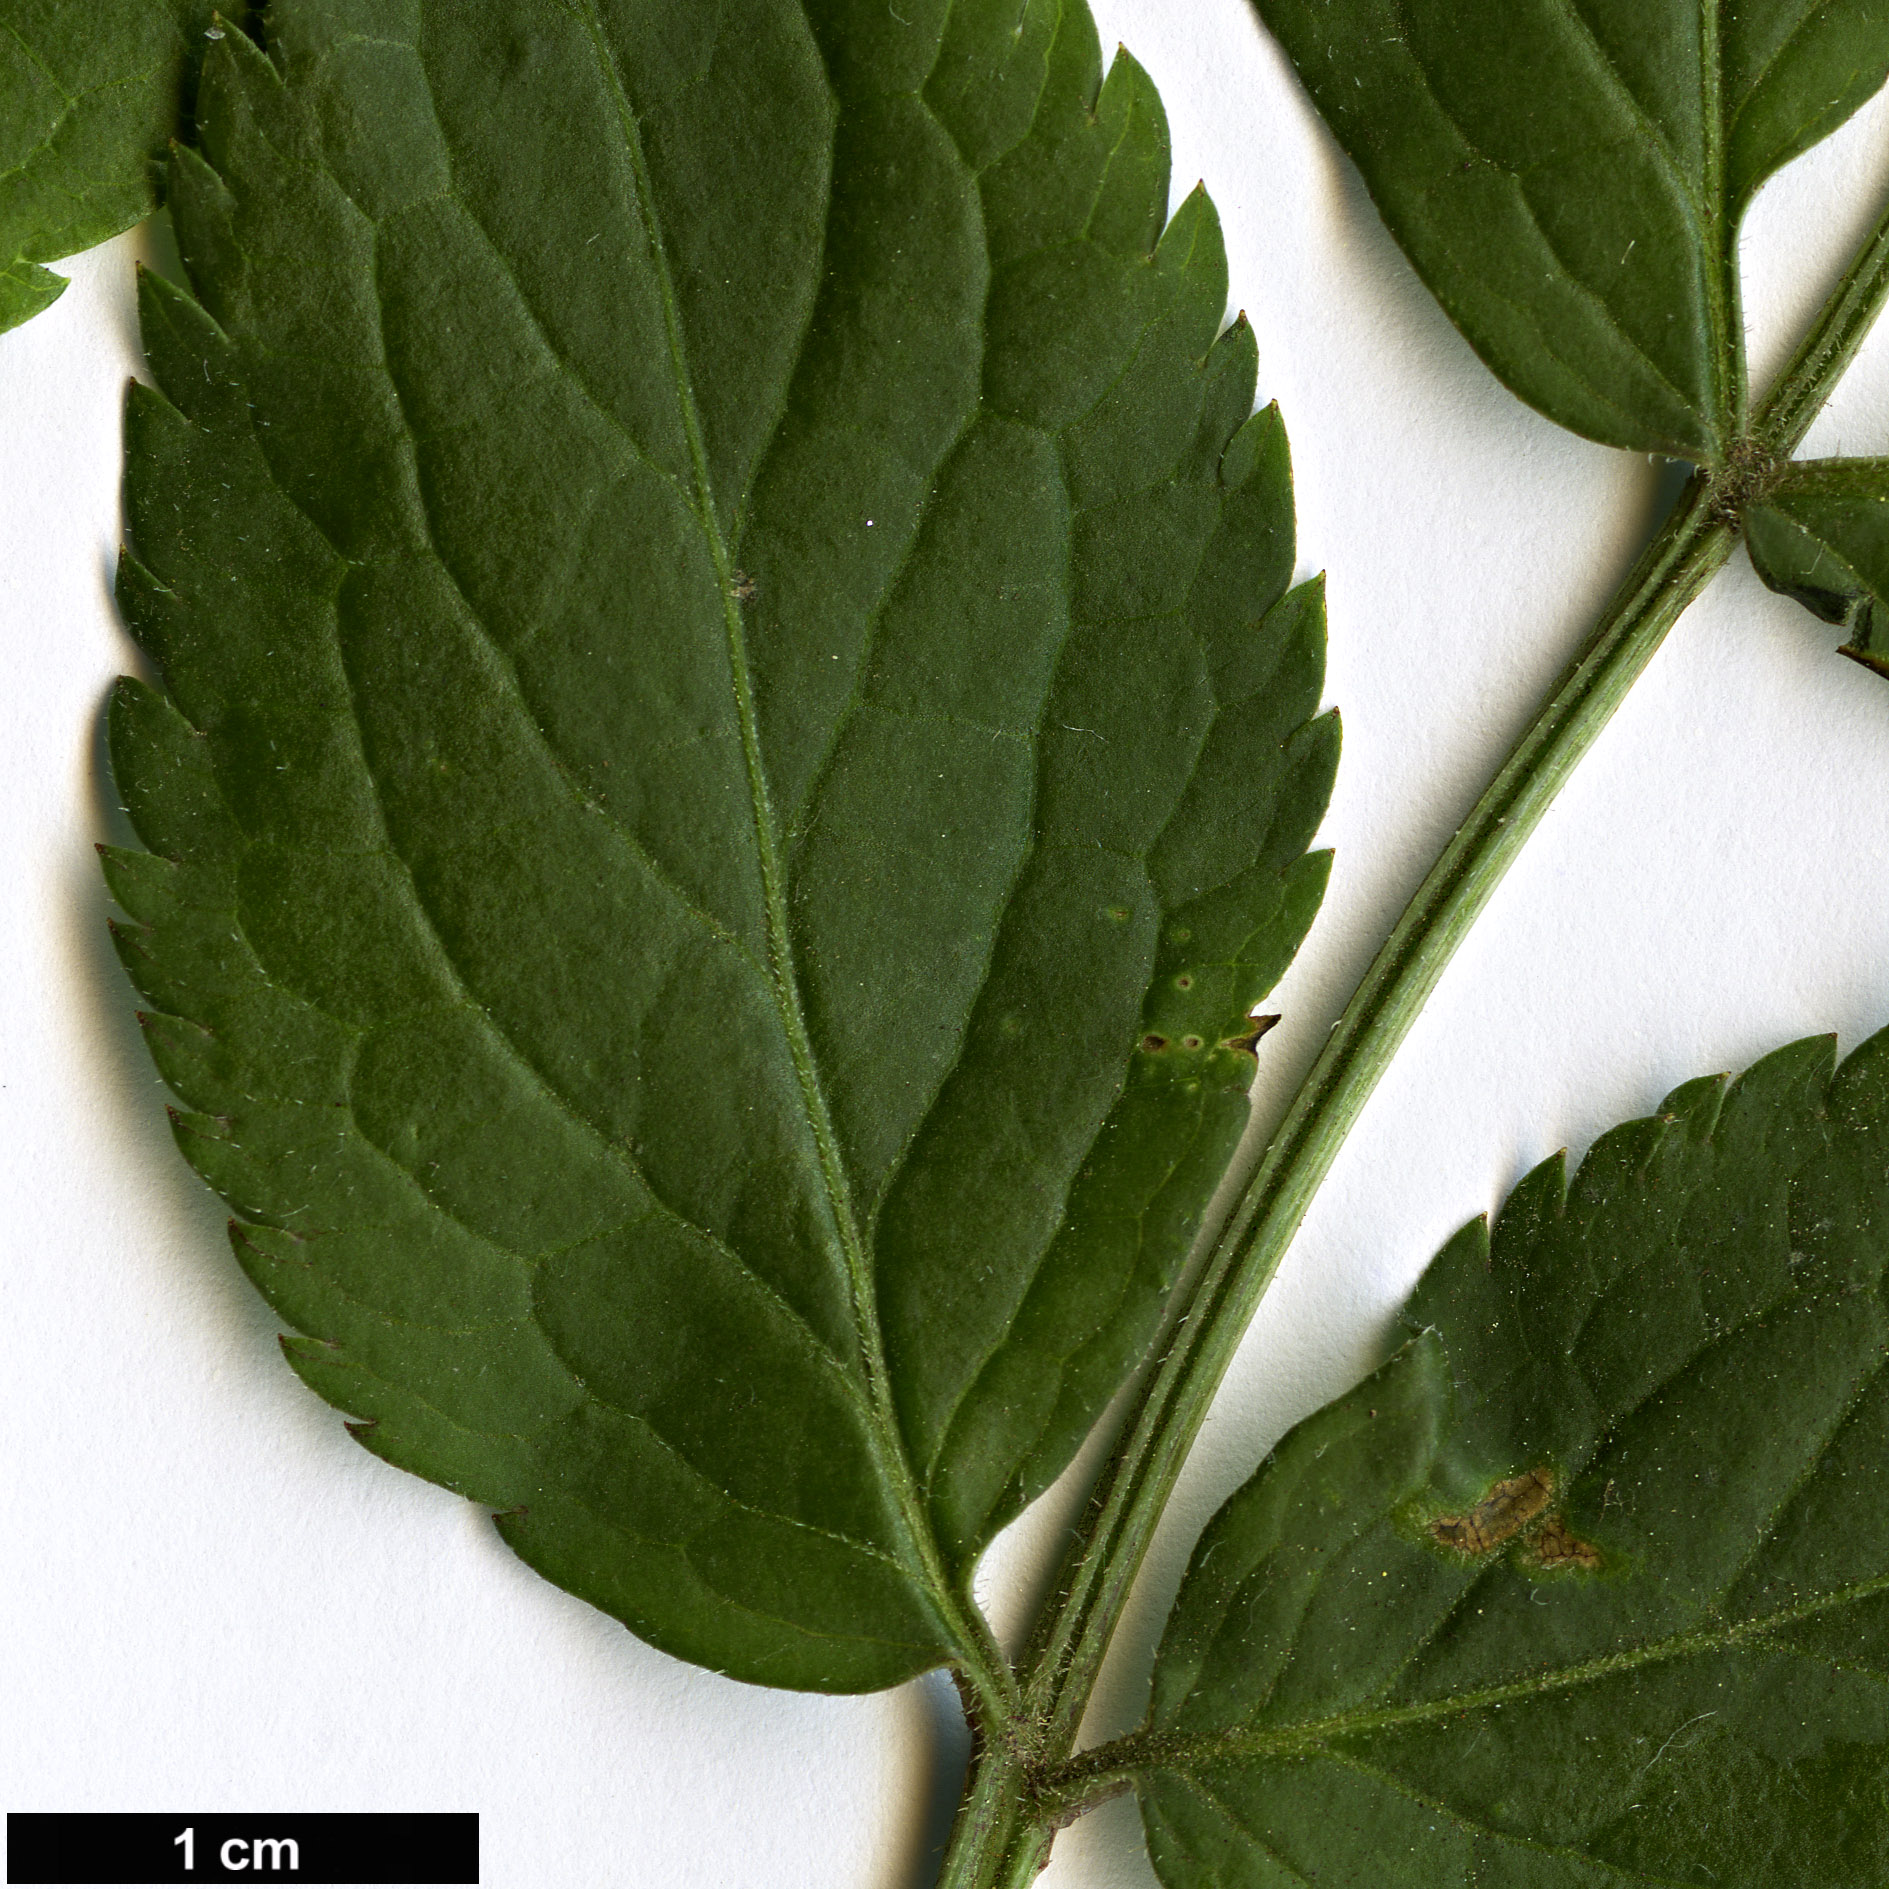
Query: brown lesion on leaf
column 744, row 587
column 1518, row 1513
column 1500, row 1516
column 1555, row 1546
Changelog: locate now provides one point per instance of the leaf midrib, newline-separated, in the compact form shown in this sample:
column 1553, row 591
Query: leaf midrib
column 1438, row 1806
column 885, row 1437
column 1721, row 224
column 1160, row 1751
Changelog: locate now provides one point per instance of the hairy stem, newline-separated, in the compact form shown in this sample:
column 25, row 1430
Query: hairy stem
column 1024, row 1788
column 1001, row 1837
column 1824, row 355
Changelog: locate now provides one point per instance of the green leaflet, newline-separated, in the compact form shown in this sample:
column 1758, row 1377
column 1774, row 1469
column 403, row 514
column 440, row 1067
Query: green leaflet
column 1568, row 177
column 735, row 756
column 89, row 98
column 1821, row 534
column 1590, row 1584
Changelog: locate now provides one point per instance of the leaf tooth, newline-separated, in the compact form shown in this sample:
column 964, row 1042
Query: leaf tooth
column 1248, row 1040
column 293, row 1342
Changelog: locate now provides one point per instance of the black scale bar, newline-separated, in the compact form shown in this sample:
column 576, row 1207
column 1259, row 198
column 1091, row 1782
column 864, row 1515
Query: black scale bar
column 47, row 1847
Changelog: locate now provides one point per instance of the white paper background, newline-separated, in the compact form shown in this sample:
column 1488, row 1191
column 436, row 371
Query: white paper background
column 213, row 1600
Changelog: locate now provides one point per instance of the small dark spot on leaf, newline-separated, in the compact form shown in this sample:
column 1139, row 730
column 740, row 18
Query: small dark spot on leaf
column 745, row 587
column 1190, row 1042
column 1154, row 1045
column 1185, row 981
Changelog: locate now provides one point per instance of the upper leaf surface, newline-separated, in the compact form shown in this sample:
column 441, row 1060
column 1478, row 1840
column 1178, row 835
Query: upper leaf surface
column 736, row 755
column 1821, row 534
column 1590, row 1584
column 1568, row 177
column 89, row 98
